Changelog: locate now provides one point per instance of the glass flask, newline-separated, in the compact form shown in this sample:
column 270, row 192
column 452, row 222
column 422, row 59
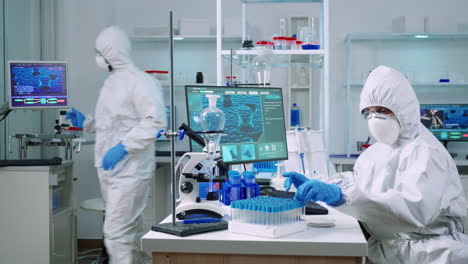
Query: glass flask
column 261, row 67
column 212, row 119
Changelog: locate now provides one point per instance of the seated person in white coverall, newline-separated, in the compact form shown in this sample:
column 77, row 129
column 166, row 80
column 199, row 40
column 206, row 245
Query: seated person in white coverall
column 129, row 113
column 405, row 189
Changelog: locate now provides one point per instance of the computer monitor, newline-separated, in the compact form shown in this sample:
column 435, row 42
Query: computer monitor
column 255, row 128
column 448, row 122
column 38, row 84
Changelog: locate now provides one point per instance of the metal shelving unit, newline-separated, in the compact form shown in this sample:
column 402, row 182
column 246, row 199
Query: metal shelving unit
column 278, row 58
column 423, row 84
column 282, row 58
column 149, row 38
column 405, row 36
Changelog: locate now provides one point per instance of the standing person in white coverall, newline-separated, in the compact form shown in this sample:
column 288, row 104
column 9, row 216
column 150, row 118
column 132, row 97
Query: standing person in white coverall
column 129, row 112
column 405, row 189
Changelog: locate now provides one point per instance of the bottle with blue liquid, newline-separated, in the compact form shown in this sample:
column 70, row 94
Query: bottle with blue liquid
column 250, row 185
column 295, row 117
column 235, row 186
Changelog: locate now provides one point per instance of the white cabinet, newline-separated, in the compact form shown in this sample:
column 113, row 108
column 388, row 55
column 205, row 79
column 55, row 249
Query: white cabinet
column 423, row 58
column 316, row 59
column 38, row 222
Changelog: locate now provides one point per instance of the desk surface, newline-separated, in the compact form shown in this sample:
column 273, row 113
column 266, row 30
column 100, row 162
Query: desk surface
column 345, row 239
column 65, row 163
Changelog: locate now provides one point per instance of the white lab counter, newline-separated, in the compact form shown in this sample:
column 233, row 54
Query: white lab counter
column 343, row 243
column 38, row 222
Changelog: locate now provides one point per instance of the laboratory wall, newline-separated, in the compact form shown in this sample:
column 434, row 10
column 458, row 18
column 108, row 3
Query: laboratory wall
column 21, row 42
column 27, row 34
column 82, row 20
column 423, row 60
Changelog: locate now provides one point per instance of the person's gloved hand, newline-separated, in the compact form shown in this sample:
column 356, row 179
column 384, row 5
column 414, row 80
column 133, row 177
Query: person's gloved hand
column 76, row 117
column 294, row 178
column 113, row 156
column 319, row 191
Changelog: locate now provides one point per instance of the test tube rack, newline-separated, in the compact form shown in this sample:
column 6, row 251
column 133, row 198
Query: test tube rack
column 267, row 217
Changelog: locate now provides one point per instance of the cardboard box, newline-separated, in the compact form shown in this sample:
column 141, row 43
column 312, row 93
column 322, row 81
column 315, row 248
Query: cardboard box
column 194, row 27
column 408, row 24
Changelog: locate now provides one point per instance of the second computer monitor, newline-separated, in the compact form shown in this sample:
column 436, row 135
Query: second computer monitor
column 255, row 126
column 38, row 84
column 448, row 122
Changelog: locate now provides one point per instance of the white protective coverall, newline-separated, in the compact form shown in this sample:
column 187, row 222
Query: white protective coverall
column 408, row 195
column 130, row 111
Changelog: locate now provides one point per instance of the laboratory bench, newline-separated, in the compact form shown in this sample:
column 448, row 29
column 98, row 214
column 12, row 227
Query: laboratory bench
column 343, row 243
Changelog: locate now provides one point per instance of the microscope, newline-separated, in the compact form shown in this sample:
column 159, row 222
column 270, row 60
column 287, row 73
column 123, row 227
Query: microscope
column 191, row 205
column 193, row 169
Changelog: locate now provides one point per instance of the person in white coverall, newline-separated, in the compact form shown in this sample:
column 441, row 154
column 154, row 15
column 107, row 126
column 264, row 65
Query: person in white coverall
column 405, row 189
column 129, row 113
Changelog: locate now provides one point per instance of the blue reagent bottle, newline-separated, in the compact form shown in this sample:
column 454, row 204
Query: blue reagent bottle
column 295, row 118
column 250, row 186
column 236, row 185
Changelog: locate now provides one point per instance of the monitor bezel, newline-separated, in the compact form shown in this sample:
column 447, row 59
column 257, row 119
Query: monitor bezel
column 423, row 106
column 243, row 87
column 37, row 107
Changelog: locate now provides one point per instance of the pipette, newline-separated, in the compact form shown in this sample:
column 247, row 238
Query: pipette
column 301, row 145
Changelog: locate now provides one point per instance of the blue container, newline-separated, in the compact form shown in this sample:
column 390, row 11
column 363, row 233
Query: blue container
column 235, row 186
column 295, row 118
column 56, row 197
column 250, row 185
column 204, row 187
column 249, row 177
column 310, row 46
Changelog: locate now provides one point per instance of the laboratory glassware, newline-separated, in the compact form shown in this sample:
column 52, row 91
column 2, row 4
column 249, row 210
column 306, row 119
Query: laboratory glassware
column 212, row 120
column 261, row 67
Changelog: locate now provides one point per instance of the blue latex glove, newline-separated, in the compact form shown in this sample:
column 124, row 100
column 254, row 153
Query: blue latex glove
column 319, row 191
column 294, row 178
column 113, row 156
column 76, row 117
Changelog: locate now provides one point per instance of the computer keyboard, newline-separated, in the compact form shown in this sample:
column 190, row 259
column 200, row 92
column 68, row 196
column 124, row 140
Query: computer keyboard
column 311, row 208
column 182, row 230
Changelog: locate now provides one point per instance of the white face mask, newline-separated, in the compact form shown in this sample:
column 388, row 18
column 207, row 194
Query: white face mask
column 384, row 128
column 101, row 63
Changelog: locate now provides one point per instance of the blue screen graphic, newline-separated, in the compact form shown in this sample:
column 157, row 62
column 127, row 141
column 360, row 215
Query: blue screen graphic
column 38, row 84
column 446, row 121
column 254, row 130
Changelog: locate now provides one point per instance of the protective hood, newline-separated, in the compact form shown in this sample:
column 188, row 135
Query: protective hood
column 387, row 87
column 114, row 45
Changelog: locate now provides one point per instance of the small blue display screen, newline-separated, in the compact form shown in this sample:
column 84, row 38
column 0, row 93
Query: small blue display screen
column 38, row 84
column 446, row 121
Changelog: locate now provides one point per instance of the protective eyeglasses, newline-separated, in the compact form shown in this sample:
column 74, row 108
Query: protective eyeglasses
column 381, row 113
column 100, row 55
